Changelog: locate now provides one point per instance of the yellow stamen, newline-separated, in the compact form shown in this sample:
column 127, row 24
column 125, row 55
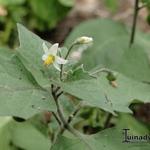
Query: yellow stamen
column 50, row 59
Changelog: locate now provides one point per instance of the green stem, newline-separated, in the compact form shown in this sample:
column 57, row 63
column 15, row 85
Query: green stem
column 61, row 67
column 63, row 120
column 136, row 10
column 71, row 116
column 69, row 50
column 56, row 117
column 92, row 74
column 59, row 110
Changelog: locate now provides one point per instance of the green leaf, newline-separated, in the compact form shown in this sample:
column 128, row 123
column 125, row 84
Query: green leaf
column 126, row 121
column 111, row 49
column 99, row 93
column 104, row 33
column 135, row 63
column 20, row 95
column 30, row 53
column 28, row 137
column 105, row 140
column 5, row 136
column 78, row 74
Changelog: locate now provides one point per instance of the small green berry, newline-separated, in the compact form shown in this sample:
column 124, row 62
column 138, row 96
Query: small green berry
column 112, row 76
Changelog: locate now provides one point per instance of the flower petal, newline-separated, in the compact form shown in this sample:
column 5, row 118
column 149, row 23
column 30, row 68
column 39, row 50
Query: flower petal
column 57, row 66
column 45, row 48
column 44, row 57
column 60, row 60
column 53, row 50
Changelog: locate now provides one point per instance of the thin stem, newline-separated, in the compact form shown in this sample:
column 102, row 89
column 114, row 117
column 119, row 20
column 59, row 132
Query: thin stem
column 59, row 110
column 71, row 116
column 136, row 9
column 60, row 93
column 69, row 50
column 61, row 67
column 99, row 71
column 57, row 89
column 57, row 119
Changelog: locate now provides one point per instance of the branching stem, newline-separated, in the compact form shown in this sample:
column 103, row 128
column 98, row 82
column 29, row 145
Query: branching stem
column 59, row 110
column 63, row 120
column 71, row 116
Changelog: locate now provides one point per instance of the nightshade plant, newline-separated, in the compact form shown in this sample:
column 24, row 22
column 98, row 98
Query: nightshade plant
column 39, row 76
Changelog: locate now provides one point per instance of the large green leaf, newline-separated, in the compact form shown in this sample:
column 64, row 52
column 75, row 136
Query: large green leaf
column 99, row 93
column 28, row 137
column 16, row 135
column 105, row 140
column 20, row 95
column 111, row 49
column 30, row 53
column 126, row 121
column 133, row 63
column 105, row 33
column 5, row 135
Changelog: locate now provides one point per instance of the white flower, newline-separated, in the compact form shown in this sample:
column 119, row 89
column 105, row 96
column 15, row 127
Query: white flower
column 84, row 40
column 50, row 56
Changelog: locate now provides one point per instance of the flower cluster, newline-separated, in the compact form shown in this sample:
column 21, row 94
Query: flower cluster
column 50, row 54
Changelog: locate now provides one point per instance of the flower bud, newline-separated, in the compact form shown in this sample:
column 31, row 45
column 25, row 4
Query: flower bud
column 84, row 40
